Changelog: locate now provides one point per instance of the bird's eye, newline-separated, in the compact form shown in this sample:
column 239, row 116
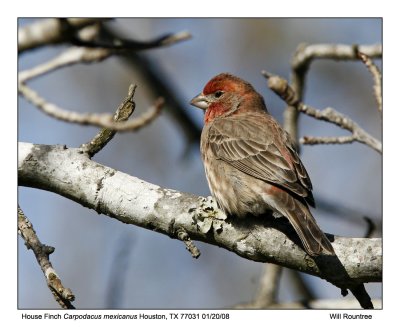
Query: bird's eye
column 218, row 94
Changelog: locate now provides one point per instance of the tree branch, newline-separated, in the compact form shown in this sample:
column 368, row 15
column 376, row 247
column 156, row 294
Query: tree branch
column 128, row 199
column 117, row 43
column 312, row 140
column 190, row 246
column 53, row 31
column 71, row 56
column 76, row 54
column 376, row 75
column 337, row 118
column 281, row 87
column 62, row 295
column 99, row 120
column 161, row 86
column 101, row 139
column 304, row 55
column 50, row 31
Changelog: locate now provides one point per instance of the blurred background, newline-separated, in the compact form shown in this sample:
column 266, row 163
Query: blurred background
column 112, row 265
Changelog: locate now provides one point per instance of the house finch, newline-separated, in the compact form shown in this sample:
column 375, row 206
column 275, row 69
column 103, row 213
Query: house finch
column 251, row 163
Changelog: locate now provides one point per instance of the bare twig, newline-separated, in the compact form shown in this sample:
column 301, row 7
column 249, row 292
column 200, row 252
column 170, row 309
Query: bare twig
column 87, row 54
column 50, row 31
column 190, row 246
column 311, row 140
column 301, row 61
column 101, row 139
column 306, row 53
column 281, row 87
column 334, row 117
column 161, row 86
column 54, row 31
column 126, row 44
column 62, row 295
column 99, row 120
column 377, row 76
column 71, row 56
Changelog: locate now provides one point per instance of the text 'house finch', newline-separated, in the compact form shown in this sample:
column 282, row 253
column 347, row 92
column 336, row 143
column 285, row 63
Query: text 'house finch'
column 251, row 163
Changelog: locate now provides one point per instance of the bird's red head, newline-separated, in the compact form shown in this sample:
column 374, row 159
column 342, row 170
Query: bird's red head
column 226, row 83
column 225, row 95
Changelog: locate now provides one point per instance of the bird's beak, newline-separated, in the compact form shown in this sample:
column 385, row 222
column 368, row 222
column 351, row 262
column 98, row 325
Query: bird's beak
column 200, row 101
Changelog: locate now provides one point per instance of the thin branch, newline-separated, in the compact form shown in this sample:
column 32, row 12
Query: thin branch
column 53, row 31
column 376, row 75
column 311, row 140
column 99, row 120
column 71, row 56
column 190, row 246
column 306, row 53
column 291, row 115
column 281, row 87
column 101, row 139
column 334, row 117
column 73, row 175
column 128, row 44
column 50, row 31
column 62, row 295
column 303, row 57
column 161, row 86
column 86, row 54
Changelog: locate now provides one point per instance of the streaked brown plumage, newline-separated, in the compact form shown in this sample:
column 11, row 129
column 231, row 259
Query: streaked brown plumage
column 250, row 162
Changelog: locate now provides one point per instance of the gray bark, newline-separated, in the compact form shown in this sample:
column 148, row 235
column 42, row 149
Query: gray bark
column 70, row 173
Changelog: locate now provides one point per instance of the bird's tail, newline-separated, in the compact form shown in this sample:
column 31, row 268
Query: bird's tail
column 313, row 238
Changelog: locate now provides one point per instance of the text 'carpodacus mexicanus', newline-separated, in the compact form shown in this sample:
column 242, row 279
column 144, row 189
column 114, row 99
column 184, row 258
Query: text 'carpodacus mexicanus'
column 250, row 162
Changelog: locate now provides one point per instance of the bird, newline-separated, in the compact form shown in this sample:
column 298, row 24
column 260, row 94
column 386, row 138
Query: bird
column 251, row 163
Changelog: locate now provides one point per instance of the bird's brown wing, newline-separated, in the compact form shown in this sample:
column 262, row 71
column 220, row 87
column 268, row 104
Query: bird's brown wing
column 256, row 145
